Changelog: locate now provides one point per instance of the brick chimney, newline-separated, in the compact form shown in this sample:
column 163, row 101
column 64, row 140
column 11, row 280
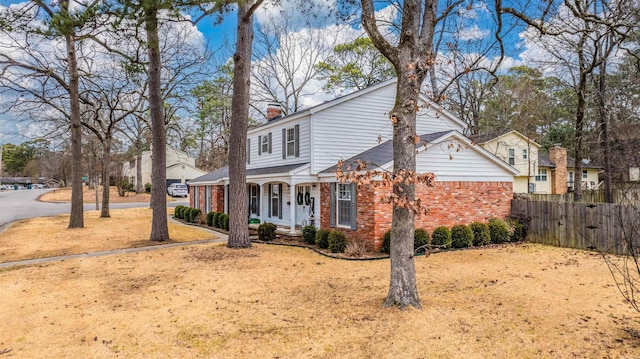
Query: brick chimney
column 274, row 111
column 558, row 155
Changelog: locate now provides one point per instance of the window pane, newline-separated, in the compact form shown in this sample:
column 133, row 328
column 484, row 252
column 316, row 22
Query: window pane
column 344, row 205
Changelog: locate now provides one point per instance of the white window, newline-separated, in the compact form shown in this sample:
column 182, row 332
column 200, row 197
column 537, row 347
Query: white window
column 196, row 196
column 264, row 144
column 344, row 205
column 291, row 142
column 584, row 174
column 275, row 201
column 207, row 199
column 254, row 200
column 525, row 154
column 542, row 175
column 512, row 156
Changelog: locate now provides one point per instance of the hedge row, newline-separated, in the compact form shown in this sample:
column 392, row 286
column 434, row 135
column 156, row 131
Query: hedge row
column 187, row 213
column 462, row 236
column 218, row 220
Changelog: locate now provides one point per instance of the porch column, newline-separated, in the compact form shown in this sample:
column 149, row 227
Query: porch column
column 292, row 208
column 261, row 202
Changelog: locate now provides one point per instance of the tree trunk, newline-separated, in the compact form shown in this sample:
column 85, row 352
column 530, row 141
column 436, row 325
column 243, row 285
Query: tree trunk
column 604, row 135
column 106, row 174
column 577, row 155
column 238, row 227
column 403, row 291
column 159, row 226
column 76, row 219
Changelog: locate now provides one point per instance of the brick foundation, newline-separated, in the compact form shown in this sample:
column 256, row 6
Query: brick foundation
column 449, row 203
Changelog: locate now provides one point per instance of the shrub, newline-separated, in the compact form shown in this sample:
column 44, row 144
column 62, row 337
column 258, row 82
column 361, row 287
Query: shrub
column 481, row 235
column 224, row 221
column 309, row 234
column 337, row 241
column 420, row 238
column 194, row 216
column 147, row 187
column 177, row 212
column 267, row 231
column 441, row 236
column 219, row 220
column 357, row 248
column 210, row 218
column 520, row 227
column 215, row 219
column 322, row 238
column 461, row 236
column 386, row 243
column 499, row 231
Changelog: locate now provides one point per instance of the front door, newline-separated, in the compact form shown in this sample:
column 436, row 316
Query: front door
column 303, row 205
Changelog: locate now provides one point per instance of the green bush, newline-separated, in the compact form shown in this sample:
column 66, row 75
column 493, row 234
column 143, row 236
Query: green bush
column 219, row 220
column 322, row 238
column 337, row 241
column 441, row 236
column 309, row 234
column 147, row 187
column 224, row 221
column 177, row 212
column 519, row 227
column 461, row 236
column 210, row 218
column 386, row 243
column 481, row 235
column 420, row 238
column 267, row 231
column 215, row 218
column 499, row 231
column 194, row 216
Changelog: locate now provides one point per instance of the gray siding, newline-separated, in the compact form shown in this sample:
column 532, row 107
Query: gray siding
column 275, row 157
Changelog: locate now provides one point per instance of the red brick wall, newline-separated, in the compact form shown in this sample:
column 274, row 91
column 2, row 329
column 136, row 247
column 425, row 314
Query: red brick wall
column 192, row 190
column 217, row 198
column 449, row 203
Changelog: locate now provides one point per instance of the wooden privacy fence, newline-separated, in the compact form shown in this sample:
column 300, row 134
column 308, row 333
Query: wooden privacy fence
column 605, row 227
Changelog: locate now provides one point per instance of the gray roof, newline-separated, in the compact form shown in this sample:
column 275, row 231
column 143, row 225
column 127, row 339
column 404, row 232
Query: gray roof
column 381, row 154
column 543, row 160
column 223, row 172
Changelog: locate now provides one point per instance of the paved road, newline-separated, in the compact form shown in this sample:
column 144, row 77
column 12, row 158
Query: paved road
column 15, row 205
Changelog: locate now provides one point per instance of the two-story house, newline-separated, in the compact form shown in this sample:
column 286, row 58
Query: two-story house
column 291, row 168
column 552, row 172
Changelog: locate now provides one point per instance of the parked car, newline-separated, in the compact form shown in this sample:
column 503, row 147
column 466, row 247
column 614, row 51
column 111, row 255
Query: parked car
column 177, row 189
column 37, row 186
column 7, row 187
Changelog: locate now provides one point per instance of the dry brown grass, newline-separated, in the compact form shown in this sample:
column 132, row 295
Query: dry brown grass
column 527, row 301
column 89, row 196
column 49, row 236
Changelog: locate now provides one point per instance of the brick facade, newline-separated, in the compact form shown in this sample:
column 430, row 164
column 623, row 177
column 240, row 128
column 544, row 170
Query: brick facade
column 449, row 203
column 217, row 198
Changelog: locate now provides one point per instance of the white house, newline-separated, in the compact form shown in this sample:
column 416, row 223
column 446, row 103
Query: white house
column 180, row 167
column 291, row 164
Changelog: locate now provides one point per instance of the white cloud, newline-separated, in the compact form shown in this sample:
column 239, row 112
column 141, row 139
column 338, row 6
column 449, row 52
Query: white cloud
column 473, row 33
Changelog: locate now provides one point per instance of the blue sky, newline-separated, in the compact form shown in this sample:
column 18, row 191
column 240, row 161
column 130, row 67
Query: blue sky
column 216, row 34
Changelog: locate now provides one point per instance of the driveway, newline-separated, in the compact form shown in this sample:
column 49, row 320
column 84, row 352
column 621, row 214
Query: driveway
column 21, row 204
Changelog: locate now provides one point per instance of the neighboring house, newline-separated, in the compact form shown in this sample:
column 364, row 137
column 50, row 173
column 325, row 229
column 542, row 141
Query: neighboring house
column 291, row 169
column 180, row 167
column 552, row 173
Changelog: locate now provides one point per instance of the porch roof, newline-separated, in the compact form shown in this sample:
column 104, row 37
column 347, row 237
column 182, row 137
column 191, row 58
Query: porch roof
column 223, row 173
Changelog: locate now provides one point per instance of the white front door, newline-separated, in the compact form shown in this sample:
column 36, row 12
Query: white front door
column 303, row 205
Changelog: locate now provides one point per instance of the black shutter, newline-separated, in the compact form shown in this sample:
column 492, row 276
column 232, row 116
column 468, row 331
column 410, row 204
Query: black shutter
column 354, row 206
column 332, row 204
column 259, row 145
column 248, row 151
column 284, row 143
column 297, row 143
column 269, row 142
column 269, row 202
column 280, row 201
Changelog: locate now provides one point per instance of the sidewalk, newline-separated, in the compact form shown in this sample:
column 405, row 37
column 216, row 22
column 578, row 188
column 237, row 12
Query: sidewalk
column 222, row 238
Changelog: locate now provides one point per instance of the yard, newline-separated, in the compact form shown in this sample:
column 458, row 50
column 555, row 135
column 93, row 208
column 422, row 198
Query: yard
column 515, row 301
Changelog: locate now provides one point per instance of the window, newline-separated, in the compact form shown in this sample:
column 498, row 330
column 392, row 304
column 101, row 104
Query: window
column 584, row 174
column 525, row 154
column 196, row 196
column 275, row 203
column 254, row 199
column 344, row 205
column 207, row 199
column 264, row 144
column 542, row 175
column 512, row 156
column 291, row 142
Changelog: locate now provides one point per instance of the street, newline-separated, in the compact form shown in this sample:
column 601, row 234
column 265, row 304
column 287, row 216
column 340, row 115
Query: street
column 21, row 204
